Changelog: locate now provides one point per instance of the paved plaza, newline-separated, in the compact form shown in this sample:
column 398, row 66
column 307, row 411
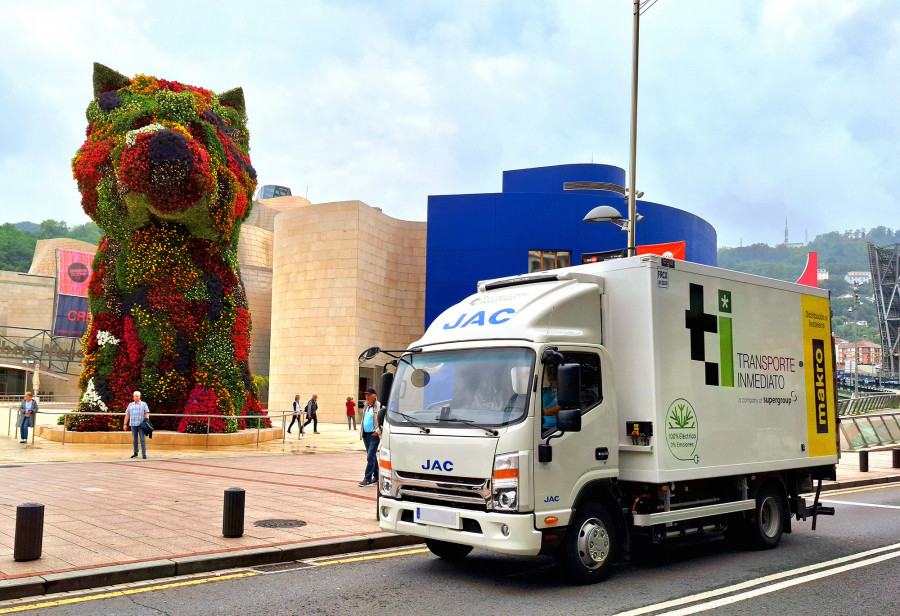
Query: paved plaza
column 105, row 509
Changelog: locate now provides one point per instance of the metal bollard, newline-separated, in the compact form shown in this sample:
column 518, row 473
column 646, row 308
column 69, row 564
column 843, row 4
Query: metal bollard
column 29, row 531
column 895, row 458
column 863, row 461
column 233, row 512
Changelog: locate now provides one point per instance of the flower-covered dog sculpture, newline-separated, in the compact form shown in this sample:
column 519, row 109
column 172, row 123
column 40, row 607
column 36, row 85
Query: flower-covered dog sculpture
column 165, row 173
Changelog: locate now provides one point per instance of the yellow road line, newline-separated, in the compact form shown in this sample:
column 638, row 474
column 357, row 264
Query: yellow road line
column 355, row 559
column 883, row 486
column 122, row 593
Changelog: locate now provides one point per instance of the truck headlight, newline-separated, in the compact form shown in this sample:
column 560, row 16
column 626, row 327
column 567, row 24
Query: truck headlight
column 385, row 472
column 505, row 484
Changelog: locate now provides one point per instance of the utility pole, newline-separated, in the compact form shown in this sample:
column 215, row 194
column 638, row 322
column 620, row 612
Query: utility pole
column 632, row 163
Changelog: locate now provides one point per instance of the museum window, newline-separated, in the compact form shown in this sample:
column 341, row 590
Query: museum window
column 542, row 260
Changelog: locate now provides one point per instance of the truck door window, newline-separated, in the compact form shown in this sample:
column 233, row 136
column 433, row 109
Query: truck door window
column 591, row 387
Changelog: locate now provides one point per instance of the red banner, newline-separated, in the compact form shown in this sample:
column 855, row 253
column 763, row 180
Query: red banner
column 671, row 250
column 73, row 272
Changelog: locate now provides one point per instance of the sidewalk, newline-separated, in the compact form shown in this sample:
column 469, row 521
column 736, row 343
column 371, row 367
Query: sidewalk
column 143, row 519
column 333, row 438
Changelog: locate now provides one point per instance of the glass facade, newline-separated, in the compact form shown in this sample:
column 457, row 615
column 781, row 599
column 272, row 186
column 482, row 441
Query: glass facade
column 270, row 191
column 542, row 260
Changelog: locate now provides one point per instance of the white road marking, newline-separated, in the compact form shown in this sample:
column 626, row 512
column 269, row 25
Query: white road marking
column 757, row 582
column 862, row 504
column 703, row 607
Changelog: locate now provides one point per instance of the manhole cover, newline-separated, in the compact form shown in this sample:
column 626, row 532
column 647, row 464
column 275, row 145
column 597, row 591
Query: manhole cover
column 279, row 523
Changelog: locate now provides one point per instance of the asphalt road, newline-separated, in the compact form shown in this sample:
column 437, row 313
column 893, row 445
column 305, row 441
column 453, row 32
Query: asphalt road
column 849, row 566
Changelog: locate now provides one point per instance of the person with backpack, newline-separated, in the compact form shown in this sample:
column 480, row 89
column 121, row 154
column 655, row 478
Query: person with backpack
column 311, row 407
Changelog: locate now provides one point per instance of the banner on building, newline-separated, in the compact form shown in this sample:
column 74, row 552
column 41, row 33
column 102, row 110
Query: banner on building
column 73, row 273
column 670, row 250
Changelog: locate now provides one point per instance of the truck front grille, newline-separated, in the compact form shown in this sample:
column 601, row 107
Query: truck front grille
column 461, row 492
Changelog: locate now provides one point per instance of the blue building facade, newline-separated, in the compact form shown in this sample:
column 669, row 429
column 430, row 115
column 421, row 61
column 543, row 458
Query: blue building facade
column 538, row 215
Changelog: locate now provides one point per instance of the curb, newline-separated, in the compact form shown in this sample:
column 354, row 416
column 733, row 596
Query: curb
column 856, row 483
column 36, row 585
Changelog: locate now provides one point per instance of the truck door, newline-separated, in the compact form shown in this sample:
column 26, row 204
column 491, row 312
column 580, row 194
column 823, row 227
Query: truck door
column 578, row 457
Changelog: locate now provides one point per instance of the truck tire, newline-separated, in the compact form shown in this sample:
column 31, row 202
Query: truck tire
column 767, row 524
column 590, row 545
column 447, row 550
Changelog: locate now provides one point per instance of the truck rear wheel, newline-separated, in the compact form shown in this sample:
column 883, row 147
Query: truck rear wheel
column 590, row 545
column 447, row 550
column 767, row 525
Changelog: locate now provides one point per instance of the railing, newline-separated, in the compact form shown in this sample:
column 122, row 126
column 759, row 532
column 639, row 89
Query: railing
column 870, row 431
column 209, row 418
column 50, row 353
column 865, row 404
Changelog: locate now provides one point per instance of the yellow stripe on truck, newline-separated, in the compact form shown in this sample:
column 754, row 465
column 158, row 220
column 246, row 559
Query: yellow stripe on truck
column 817, row 364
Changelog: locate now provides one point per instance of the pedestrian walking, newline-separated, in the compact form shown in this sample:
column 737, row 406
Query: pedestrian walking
column 297, row 416
column 27, row 413
column 135, row 415
column 311, row 407
column 370, row 433
column 351, row 413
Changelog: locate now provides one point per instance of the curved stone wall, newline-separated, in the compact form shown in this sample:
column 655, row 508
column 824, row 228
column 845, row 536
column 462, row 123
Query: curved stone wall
column 345, row 277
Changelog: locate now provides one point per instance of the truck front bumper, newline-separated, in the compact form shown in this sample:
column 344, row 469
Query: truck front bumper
column 481, row 529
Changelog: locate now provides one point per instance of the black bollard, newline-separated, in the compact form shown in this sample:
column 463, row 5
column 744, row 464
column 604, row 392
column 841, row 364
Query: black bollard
column 895, row 458
column 233, row 513
column 29, row 531
column 863, row 461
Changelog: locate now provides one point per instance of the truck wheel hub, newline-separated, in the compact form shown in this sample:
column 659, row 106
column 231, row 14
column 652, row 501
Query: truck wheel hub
column 593, row 543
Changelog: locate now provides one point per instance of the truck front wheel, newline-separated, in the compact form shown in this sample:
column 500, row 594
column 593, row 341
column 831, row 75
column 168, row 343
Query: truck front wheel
column 447, row 550
column 590, row 544
column 768, row 523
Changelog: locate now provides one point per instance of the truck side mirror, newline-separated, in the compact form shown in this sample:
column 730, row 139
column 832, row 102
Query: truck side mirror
column 387, row 381
column 569, row 420
column 569, row 386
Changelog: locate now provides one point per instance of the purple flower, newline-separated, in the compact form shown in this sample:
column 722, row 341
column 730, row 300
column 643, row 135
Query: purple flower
column 170, row 145
column 109, row 101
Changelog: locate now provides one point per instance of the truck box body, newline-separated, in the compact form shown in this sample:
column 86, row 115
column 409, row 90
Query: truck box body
column 734, row 371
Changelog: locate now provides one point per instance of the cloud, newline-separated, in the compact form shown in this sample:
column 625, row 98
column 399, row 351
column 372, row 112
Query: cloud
column 748, row 112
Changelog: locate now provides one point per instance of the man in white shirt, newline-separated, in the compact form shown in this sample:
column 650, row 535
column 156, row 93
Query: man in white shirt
column 135, row 415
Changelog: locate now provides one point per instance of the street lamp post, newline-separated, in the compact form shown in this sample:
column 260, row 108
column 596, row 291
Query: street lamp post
column 632, row 154
column 853, row 310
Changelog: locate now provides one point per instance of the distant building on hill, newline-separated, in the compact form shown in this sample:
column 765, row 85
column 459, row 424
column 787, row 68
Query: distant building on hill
column 821, row 274
column 858, row 277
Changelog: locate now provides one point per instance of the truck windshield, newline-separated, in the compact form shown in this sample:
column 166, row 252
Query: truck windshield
column 487, row 387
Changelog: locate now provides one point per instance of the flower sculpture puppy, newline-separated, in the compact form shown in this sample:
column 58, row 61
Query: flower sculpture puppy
column 165, row 173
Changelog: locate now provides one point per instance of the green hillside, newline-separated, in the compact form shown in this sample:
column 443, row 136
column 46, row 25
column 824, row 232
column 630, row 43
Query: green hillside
column 17, row 243
column 838, row 253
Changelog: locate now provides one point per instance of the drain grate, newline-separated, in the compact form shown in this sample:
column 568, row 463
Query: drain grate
column 279, row 523
column 283, row 567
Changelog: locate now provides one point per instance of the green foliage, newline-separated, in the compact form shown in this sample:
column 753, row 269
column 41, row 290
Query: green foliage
column 261, row 381
column 17, row 245
column 838, row 253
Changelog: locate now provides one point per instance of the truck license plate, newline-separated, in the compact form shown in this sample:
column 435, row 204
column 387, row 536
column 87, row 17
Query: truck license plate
column 438, row 517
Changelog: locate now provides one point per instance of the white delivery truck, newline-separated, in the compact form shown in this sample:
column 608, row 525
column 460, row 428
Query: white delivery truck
column 583, row 411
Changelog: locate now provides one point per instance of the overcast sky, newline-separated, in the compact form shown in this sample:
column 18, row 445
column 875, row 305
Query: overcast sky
column 750, row 112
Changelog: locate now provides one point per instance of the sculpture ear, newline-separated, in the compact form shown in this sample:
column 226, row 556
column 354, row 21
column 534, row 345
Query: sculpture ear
column 234, row 98
column 106, row 79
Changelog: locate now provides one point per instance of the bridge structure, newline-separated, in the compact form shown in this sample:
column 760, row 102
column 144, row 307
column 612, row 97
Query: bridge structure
column 884, row 262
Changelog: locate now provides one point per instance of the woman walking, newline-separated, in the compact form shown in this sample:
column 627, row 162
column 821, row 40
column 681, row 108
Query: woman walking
column 27, row 410
column 297, row 416
column 351, row 413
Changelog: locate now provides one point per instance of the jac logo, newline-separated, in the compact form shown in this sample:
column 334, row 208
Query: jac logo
column 437, row 465
column 551, row 499
column 501, row 316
